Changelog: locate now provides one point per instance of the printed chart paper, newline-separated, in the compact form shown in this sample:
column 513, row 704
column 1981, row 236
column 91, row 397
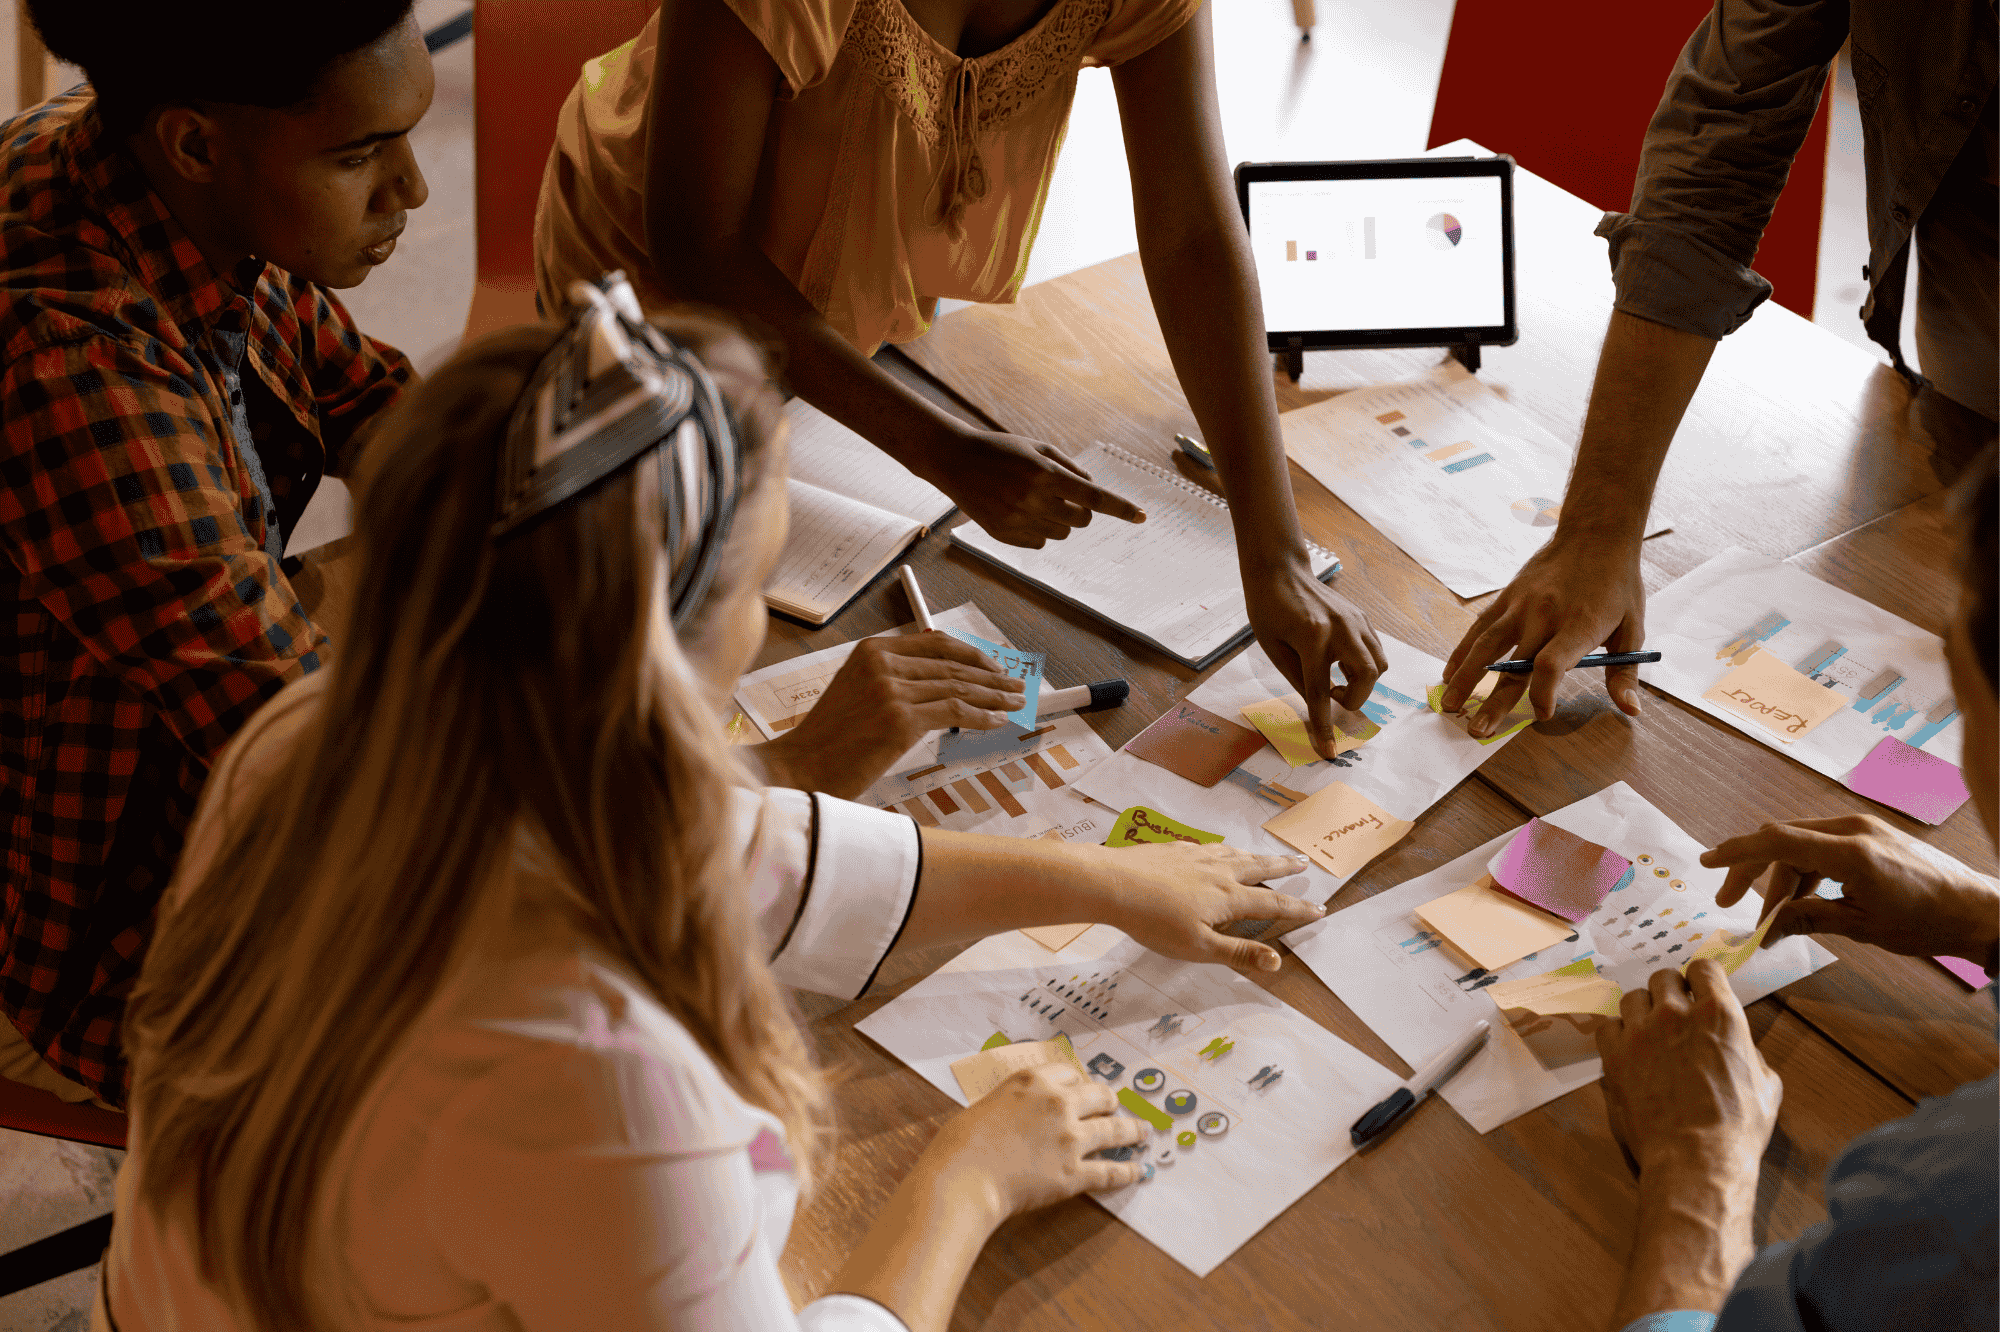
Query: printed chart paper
column 1258, row 1096
column 1404, row 981
column 1444, row 467
column 1417, row 756
column 1889, row 677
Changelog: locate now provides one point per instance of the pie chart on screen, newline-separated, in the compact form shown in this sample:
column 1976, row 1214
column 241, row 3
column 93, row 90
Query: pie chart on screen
column 1537, row 512
column 1445, row 232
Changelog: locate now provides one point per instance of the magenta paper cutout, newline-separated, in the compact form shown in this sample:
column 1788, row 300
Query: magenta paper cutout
column 1557, row 871
column 1922, row 785
column 1970, row 972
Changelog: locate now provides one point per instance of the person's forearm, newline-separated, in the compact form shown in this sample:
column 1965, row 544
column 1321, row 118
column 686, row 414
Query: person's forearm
column 810, row 768
column 1205, row 294
column 1694, row 1237
column 975, row 886
column 1646, row 375
column 916, row 1256
column 821, row 366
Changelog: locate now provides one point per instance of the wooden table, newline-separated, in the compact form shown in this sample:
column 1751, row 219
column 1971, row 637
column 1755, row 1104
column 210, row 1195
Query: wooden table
column 1526, row 1227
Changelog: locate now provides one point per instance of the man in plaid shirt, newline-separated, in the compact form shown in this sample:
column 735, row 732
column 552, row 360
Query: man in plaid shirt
column 176, row 378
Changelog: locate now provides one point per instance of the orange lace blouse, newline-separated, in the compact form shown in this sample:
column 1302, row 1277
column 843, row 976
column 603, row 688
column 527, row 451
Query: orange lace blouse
column 895, row 172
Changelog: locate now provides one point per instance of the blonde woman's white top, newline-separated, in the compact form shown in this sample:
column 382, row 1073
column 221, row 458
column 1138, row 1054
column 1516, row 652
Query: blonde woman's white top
column 552, row 1151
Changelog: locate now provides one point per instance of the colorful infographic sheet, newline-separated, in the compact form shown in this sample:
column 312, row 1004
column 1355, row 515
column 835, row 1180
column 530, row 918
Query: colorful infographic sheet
column 1250, row 1100
column 1401, row 770
column 1765, row 647
column 1419, row 993
column 948, row 779
column 1444, row 467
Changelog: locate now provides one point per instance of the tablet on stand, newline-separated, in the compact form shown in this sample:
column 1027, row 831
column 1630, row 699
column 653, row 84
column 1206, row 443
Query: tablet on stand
column 1402, row 252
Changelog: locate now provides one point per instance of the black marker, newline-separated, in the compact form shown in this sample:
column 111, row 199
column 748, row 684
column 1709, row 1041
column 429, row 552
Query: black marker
column 1526, row 665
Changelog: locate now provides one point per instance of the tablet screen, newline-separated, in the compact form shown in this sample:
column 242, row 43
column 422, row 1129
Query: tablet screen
column 1381, row 253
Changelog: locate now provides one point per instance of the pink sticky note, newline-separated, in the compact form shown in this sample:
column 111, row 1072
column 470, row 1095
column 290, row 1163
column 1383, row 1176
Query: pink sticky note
column 1557, row 870
column 1970, row 972
column 1922, row 785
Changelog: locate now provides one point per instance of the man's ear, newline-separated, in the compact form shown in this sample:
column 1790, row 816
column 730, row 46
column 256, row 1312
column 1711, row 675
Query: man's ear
column 187, row 137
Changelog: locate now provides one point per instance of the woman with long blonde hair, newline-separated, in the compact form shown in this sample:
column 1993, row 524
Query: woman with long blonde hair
column 466, row 1008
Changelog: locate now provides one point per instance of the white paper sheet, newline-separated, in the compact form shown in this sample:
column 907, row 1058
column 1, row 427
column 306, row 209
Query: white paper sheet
column 1210, row 1198
column 1457, row 477
column 1892, row 674
column 1406, row 769
column 1397, row 977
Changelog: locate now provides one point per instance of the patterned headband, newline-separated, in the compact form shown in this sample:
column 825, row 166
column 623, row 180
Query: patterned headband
column 612, row 390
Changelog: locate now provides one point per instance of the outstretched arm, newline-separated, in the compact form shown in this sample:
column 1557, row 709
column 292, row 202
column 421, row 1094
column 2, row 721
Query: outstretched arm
column 1198, row 266
column 1582, row 590
column 712, row 93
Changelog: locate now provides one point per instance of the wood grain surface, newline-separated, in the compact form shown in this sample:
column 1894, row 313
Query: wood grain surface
column 1797, row 446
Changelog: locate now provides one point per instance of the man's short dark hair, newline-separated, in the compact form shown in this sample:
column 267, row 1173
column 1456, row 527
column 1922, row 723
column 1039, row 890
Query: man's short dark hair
column 140, row 54
column 1979, row 510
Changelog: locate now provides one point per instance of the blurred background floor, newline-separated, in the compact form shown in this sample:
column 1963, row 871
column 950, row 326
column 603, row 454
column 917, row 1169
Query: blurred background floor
column 1362, row 87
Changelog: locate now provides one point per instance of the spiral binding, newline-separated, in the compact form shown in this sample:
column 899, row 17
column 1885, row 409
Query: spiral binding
column 1318, row 551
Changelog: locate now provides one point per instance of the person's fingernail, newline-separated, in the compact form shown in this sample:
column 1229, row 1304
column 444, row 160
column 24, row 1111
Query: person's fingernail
column 1319, row 908
column 1450, row 701
column 1481, row 729
column 1270, row 962
column 1299, row 863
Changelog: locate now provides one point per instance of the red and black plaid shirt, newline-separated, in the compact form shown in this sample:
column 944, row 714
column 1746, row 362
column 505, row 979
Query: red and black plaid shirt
column 143, row 621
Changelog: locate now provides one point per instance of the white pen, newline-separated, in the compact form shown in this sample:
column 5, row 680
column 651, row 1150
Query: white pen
column 917, row 599
column 1393, row 1111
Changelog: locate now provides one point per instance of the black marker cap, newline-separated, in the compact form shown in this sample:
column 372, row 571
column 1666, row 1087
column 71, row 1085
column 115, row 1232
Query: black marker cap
column 1109, row 693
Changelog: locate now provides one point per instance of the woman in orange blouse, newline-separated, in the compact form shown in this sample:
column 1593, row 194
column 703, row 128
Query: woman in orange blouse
column 831, row 168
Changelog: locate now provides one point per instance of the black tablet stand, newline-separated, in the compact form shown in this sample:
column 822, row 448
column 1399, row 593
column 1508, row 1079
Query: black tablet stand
column 1293, row 357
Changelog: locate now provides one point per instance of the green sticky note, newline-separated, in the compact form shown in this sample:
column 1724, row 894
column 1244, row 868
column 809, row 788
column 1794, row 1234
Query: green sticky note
column 1139, row 825
column 1144, row 1108
column 997, row 1039
column 1522, row 715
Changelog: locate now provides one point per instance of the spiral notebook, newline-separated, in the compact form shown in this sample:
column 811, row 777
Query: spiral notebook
column 1171, row 580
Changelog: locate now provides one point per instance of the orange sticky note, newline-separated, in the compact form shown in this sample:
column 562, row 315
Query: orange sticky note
column 1776, row 697
column 1284, row 728
column 1493, row 928
column 1339, row 828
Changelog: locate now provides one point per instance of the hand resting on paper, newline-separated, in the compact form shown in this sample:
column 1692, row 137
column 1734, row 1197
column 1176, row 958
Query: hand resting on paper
column 1176, row 897
column 1893, row 897
column 1685, row 1087
column 886, row 695
column 1024, row 492
column 1305, row 628
column 1028, row 1143
column 1569, row 599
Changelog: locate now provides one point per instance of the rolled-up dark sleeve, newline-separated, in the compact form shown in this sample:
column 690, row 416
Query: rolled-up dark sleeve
column 1717, row 153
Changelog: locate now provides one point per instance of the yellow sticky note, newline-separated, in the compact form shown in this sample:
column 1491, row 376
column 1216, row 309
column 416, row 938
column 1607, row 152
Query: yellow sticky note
column 1557, row 1015
column 1284, row 728
column 1576, row 988
column 1523, row 713
column 1493, row 928
column 980, row 1073
column 1732, row 949
column 1776, row 697
column 1339, row 828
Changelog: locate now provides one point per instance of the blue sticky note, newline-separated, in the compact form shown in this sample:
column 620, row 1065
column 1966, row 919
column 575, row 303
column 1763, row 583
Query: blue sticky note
column 1023, row 666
